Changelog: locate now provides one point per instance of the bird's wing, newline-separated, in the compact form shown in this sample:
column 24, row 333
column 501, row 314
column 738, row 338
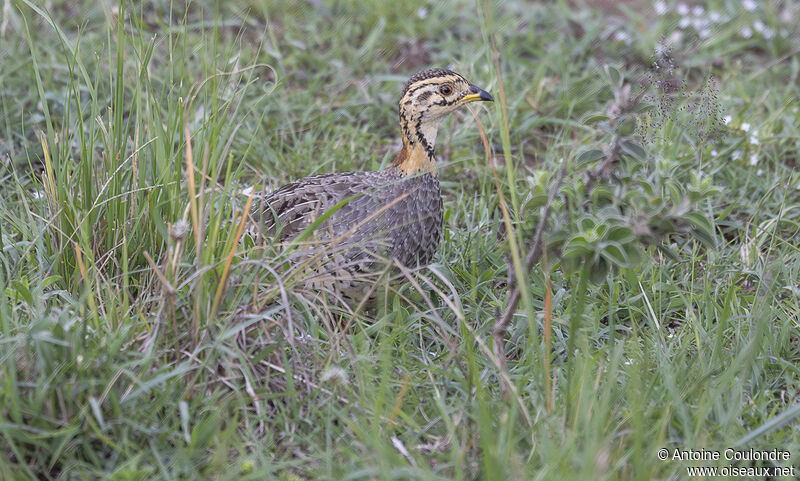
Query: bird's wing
column 293, row 207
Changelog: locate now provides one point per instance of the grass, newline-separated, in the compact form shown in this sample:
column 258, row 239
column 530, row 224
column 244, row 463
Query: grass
column 128, row 133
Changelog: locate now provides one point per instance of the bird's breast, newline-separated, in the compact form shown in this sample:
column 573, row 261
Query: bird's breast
column 417, row 221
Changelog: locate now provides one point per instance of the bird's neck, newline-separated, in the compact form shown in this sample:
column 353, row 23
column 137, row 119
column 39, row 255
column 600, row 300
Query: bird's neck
column 417, row 155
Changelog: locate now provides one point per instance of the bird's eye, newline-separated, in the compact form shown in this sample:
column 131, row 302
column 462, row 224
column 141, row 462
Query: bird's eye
column 445, row 90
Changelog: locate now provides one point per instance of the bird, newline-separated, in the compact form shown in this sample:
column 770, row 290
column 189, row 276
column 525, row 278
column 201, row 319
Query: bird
column 367, row 223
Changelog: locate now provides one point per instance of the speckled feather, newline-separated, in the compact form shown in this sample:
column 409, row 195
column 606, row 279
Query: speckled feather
column 389, row 216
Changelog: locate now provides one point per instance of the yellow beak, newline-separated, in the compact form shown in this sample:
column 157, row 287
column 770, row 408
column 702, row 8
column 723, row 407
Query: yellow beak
column 477, row 94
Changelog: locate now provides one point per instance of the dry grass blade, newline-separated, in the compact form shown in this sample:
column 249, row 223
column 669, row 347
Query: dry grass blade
column 169, row 289
column 79, row 259
column 50, row 185
column 229, row 259
column 548, row 335
column 192, row 190
column 195, row 228
column 398, row 403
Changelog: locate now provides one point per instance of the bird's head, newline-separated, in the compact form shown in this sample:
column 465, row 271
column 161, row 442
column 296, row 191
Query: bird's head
column 431, row 94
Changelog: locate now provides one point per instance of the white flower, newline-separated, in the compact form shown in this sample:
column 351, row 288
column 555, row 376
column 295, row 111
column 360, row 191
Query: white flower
column 714, row 153
column 704, row 33
column 760, row 172
column 745, row 126
column 700, row 23
column 422, row 12
column 736, row 155
column 759, row 26
column 698, row 10
column 768, row 33
column 621, row 36
column 749, row 5
column 753, row 140
column 682, row 9
column 727, row 119
column 797, row 186
column 746, row 32
column 753, row 159
column 661, row 8
column 715, row 17
column 684, row 22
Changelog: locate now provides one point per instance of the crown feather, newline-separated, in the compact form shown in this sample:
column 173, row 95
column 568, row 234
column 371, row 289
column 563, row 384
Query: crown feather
column 428, row 74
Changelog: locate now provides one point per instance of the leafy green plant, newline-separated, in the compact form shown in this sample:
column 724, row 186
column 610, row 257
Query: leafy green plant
column 630, row 198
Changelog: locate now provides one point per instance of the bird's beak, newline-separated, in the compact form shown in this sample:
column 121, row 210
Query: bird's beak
column 477, row 94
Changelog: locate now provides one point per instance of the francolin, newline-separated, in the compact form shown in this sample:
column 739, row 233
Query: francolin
column 380, row 218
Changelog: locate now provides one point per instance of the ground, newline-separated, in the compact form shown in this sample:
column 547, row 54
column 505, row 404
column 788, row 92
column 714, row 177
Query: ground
column 663, row 313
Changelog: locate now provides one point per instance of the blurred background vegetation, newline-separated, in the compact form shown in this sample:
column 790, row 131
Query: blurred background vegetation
column 656, row 144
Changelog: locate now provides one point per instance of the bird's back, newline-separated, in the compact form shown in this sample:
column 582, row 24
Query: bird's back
column 380, row 216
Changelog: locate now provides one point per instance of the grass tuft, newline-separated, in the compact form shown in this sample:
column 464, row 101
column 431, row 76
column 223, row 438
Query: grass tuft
column 644, row 221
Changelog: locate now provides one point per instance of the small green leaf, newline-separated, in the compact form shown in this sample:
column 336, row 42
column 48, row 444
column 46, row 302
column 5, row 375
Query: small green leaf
column 614, row 76
column 23, row 291
column 669, row 253
column 587, row 156
column 602, row 194
column 633, row 149
column 699, row 221
column 625, row 126
column 615, row 254
column 586, row 224
column 575, row 249
column 97, row 411
column 594, row 118
column 183, row 409
column 675, row 192
column 620, row 234
column 599, row 271
column 50, row 280
column 703, row 228
column 634, row 253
